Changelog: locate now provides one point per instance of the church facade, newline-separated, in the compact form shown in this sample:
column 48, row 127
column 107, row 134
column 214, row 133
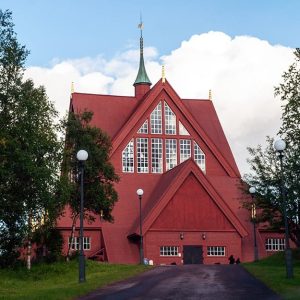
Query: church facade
column 175, row 150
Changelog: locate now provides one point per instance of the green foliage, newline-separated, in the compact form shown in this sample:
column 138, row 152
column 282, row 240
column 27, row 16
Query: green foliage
column 12, row 55
column 272, row 272
column 99, row 173
column 266, row 180
column 49, row 242
column 265, row 164
column 59, row 281
column 30, row 153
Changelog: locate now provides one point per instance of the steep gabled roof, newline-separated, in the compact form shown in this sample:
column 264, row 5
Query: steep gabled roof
column 167, row 188
column 119, row 115
column 227, row 161
column 206, row 116
column 110, row 112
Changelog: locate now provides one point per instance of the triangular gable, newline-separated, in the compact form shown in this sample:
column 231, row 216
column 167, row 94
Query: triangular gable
column 169, row 190
column 145, row 106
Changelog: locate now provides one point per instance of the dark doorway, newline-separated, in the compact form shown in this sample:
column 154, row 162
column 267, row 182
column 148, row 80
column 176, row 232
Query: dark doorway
column 192, row 255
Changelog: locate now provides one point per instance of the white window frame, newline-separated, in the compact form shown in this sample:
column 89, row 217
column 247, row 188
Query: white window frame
column 216, row 251
column 144, row 128
column 87, row 241
column 156, row 120
column 169, row 251
column 156, row 155
column 142, row 155
column 170, row 121
column 171, row 153
column 199, row 157
column 185, row 149
column 182, row 129
column 128, row 158
column 275, row 244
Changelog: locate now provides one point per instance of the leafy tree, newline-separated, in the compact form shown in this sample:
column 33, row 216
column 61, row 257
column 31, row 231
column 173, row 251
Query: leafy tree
column 30, row 153
column 265, row 165
column 99, row 174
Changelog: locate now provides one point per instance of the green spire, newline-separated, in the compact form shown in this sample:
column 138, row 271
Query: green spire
column 142, row 77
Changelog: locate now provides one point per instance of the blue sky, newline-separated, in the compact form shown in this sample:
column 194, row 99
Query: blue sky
column 77, row 28
column 229, row 46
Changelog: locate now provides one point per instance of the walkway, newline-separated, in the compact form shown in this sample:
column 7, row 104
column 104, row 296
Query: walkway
column 224, row 282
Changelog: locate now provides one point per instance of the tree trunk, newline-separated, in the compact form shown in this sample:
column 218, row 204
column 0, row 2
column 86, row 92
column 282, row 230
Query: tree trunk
column 28, row 262
column 72, row 237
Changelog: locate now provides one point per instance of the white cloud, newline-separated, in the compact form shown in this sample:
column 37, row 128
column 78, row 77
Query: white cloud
column 241, row 72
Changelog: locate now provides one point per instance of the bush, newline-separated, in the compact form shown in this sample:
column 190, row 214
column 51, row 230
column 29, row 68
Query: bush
column 49, row 245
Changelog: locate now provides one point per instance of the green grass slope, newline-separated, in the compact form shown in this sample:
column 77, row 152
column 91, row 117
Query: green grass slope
column 59, row 281
column 272, row 272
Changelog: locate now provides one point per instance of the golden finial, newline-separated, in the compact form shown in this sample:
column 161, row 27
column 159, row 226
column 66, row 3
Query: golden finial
column 163, row 74
column 209, row 95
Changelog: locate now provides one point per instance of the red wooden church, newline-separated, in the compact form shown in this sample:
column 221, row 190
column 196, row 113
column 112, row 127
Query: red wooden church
column 176, row 151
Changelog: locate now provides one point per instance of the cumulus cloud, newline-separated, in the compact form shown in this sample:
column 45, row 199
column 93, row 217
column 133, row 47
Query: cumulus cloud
column 241, row 71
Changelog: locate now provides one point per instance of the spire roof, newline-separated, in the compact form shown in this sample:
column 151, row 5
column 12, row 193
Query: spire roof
column 142, row 77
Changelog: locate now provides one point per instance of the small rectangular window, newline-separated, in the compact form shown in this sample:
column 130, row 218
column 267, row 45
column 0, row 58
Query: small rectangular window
column 215, row 251
column 76, row 243
column 169, row 251
column 86, row 243
column 275, row 244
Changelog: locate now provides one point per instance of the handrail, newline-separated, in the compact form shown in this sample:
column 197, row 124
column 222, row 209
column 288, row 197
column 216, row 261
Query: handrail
column 96, row 252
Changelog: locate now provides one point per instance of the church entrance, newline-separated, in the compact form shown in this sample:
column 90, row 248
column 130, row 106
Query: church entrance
column 192, row 255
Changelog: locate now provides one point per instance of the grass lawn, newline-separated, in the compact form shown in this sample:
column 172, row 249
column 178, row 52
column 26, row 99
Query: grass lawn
column 272, row 272
column 60, row 280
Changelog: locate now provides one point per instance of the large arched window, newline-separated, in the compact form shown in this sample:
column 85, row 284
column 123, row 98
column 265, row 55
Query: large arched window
column 161, row 143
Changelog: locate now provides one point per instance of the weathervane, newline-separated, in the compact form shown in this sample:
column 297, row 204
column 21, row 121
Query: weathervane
column 141, row 25
column 72, row 87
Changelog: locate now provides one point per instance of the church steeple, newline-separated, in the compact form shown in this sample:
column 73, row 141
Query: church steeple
column 142, row 82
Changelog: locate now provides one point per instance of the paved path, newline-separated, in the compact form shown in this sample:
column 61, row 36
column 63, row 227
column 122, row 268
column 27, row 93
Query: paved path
column 188, row 282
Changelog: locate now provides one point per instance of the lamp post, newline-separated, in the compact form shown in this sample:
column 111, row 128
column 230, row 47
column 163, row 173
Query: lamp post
column 82, row 156
column 253, row 219
column 279, row 146
column 140, row 193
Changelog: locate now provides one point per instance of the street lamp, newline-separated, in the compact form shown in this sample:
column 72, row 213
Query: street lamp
column 279, row 146
column 253, row 219
column 82, row 156
column 140, row 193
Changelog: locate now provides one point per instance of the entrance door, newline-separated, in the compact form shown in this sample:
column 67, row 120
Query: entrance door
column 192, row 255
